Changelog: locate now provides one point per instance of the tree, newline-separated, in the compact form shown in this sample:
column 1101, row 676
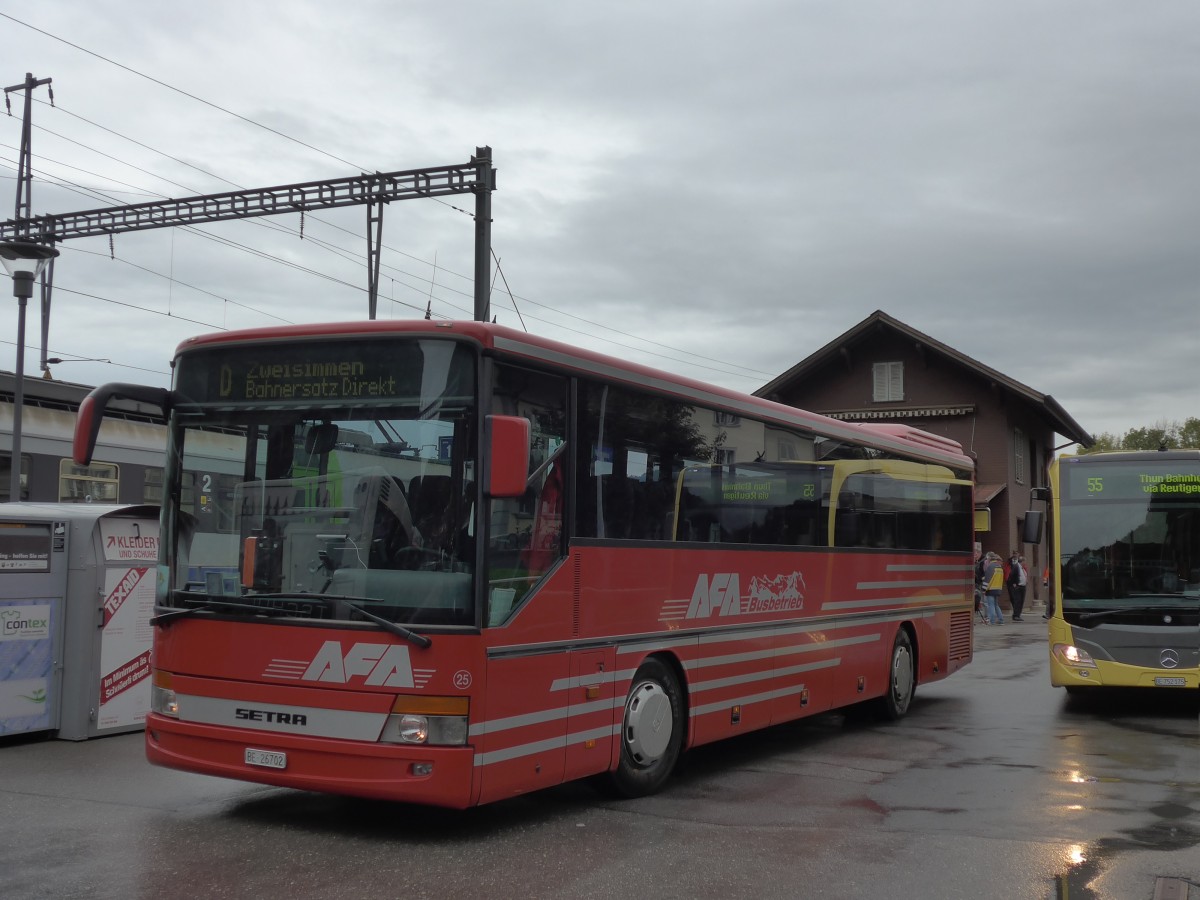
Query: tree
column 1161, row 435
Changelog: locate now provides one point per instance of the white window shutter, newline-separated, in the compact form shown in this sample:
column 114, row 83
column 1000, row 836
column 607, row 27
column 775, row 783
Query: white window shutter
column 888, row 381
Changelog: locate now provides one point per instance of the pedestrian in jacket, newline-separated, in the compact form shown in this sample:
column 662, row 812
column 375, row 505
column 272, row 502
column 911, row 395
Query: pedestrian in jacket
column 993, row 584
column 1018, row 579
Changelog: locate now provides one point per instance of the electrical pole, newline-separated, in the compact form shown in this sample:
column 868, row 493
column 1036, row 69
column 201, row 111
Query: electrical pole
column 25, row 187
column 25, row 167
column 22, row 285
column 485, row 183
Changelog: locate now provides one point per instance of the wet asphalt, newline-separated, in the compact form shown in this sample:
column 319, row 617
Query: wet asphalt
column 995, row 785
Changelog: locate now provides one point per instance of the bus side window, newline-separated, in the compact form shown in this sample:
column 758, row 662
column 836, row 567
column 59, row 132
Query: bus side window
column 545, row 536
column 525, row 534
column 848, row 530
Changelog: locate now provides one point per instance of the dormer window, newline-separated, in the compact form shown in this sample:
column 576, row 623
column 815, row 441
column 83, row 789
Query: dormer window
column 889, row 381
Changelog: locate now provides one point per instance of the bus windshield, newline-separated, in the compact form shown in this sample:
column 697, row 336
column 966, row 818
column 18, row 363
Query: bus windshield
column 1130, row 535
column 324, row 481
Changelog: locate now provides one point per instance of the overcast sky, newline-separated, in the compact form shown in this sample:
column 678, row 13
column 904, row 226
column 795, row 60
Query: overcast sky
column 718, row 189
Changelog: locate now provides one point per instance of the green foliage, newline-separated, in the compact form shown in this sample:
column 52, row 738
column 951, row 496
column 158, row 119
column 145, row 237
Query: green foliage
column 1171, row 435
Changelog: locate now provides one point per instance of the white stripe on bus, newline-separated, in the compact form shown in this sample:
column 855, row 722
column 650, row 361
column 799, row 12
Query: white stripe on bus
column 700, row 687
column 889, row 585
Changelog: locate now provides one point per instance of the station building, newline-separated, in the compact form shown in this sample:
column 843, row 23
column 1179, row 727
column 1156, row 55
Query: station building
column 883, row 370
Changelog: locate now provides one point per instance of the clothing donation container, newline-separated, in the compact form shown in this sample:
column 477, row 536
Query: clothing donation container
column 76, row 597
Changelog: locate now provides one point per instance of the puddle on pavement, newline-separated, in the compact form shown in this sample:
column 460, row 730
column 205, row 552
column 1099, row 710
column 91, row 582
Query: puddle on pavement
column 1086, row 862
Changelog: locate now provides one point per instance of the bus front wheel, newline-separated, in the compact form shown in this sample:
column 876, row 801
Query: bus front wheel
column 902, row 678
column 651, row 731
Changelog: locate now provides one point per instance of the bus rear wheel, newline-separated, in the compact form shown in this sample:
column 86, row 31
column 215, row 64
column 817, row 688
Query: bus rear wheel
column 902, row 679
column 651, row 731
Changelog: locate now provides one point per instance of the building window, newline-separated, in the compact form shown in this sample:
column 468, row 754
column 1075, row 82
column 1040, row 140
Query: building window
column 6, row 477
column 727, row 420
column 889, row 381
column 725, row 456
column 152, row 485
column 96, row 483
column 1018, row 456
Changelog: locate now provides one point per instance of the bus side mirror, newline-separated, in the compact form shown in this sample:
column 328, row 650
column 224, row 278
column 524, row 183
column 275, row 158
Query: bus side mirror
column 507, row 456
column 91, row 413
column 1031, row 531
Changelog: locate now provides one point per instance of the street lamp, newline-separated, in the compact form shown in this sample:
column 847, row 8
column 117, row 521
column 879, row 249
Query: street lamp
column 24, row 261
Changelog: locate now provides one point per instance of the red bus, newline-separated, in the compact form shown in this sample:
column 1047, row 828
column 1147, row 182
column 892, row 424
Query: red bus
column 449, row 563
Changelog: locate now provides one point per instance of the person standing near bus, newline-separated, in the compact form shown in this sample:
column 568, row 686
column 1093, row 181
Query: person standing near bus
column 1018, row 580
column 993, row 584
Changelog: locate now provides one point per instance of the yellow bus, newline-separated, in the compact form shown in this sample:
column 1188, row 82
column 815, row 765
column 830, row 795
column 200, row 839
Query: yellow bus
column 1125, row 570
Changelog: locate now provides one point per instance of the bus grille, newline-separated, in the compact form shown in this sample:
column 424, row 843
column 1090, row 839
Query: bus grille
column 576, row 563
column 960, row 636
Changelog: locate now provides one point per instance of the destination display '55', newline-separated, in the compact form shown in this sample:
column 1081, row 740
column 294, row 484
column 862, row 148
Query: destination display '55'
column 1124, row 481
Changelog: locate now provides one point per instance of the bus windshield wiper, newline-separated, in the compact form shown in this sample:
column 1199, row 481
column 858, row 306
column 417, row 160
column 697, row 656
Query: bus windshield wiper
column 353, row 602
column 211, row 603
column 1139, row 608
column 1173, row 595
column 386, row 624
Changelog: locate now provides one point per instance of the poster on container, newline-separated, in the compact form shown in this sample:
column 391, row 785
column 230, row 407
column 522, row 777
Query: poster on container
column 25, row 547
column 26, row 665
column 131, row 550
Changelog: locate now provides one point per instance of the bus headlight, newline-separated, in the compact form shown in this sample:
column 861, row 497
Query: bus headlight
column 1070, row 655
column 427, row 720
column 162, row 697
column 414, row 729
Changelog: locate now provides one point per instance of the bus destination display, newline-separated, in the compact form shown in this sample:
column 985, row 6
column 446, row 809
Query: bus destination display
column 304, row 373
column 1129, row 481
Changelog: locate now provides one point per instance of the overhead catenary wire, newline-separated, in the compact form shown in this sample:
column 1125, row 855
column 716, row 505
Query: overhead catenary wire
column 190, row 96
column 225, row 241
column 744, row 372
column 73, row 357
column 97, row 194
column 342, row 251
column 500, row 272
column 267, row 256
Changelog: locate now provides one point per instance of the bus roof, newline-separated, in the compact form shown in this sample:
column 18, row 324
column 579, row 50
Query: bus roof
column 1131, row 456
column 894, row 437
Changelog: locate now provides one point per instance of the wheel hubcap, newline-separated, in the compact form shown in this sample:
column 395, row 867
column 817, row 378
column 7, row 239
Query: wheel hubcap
column 902, row 676
column 648, row 723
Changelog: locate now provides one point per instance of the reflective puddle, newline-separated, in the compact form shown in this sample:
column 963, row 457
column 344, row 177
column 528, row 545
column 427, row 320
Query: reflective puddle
column 1086, row 862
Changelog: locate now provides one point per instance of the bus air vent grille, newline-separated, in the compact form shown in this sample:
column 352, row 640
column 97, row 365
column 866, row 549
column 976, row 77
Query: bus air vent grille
column 960, row 635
